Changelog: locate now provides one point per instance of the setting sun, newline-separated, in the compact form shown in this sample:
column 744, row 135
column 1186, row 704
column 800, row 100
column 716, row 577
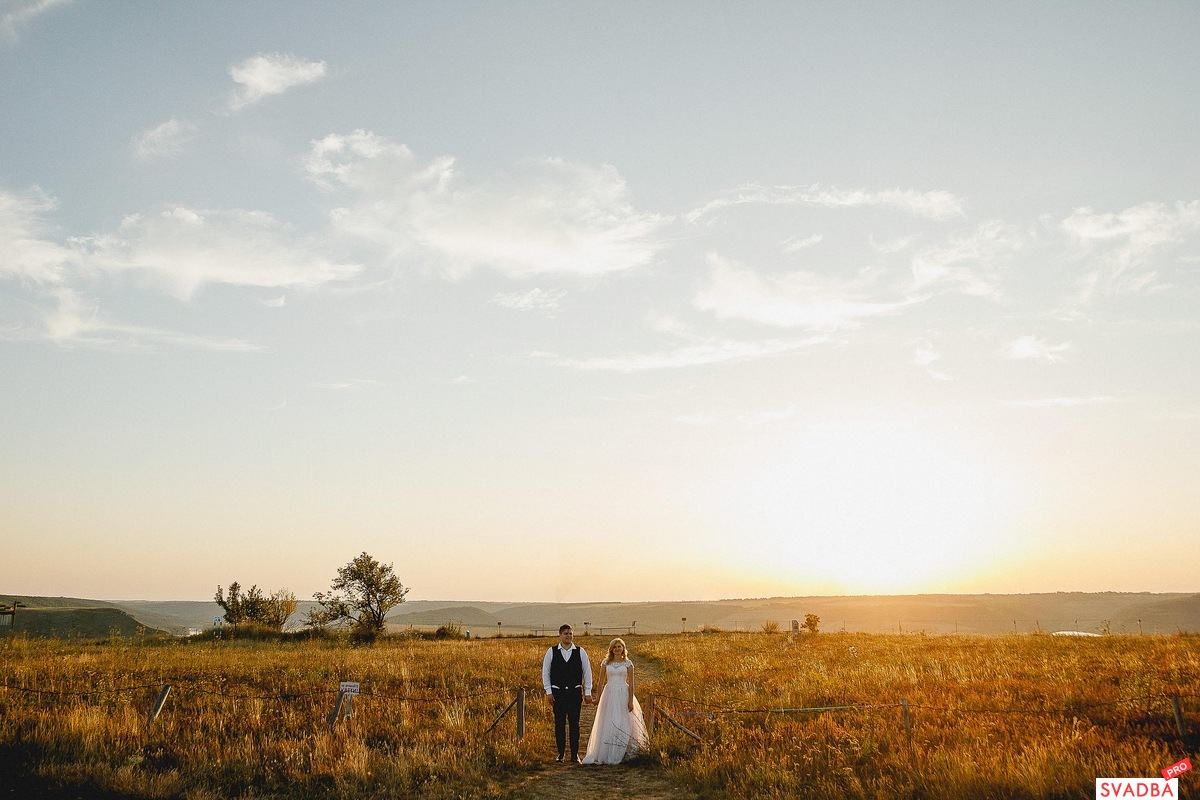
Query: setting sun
column 876, row 507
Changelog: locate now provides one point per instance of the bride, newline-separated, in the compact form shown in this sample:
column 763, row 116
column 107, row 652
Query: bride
column 618, row 731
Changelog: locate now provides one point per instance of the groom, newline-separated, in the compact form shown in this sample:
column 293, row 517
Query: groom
column 567, row 679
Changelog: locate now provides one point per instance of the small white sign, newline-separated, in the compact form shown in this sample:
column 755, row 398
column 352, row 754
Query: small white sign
column 348, row 687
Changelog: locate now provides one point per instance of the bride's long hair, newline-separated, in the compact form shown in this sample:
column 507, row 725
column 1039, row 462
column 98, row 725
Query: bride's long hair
column 613, row 646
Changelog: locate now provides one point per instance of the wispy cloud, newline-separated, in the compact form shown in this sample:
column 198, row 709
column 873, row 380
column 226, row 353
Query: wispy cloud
column 21, row 13
column 549, row 216
column 168, row 140
column 27, row 251
column 535, row 299
column 933, row 204
column 268, row 74
column 925, row 356
column 76, row 321
column 1122, row 245
column 1033, row 348
column 183, row 249
column 967, row 264
column 795, row 244
column 797, row 299
column 712, row 352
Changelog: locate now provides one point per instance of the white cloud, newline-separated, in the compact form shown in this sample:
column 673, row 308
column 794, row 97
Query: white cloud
column 268, row 74
column 925, row 356
column 797, row 299
column 712, row 352
column 933, row 205
column 967, row 264
column 795, row 244
column 22, row 13
column 185, row 249
column 26, row 249
column 77, row 321
column 1125, row 243
column 1033, row 348
column 167, row 140
column 533, row 300
column 551, row 216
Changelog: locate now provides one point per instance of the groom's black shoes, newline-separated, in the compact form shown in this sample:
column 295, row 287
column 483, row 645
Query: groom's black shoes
column 560, row 758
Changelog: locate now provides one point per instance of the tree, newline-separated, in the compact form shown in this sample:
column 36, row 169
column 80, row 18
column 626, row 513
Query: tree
column 270, row 611
column 235, row 605
column 811, row 622
column 371, row 591
column 276, row 609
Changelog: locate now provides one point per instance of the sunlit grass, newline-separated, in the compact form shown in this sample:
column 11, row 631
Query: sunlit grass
column 1016, row 716
column 1011, row 716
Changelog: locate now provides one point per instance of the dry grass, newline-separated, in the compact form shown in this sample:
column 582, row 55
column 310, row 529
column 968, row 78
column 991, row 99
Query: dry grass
column 1002, row 717
column 248, row 719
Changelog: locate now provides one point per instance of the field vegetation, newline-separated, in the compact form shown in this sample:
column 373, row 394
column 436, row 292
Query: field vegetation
column 1008, row 716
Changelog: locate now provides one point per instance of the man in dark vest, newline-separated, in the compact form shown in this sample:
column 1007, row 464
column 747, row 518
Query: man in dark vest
column 567, row 679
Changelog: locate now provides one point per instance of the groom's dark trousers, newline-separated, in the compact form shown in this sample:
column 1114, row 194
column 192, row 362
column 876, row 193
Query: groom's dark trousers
column 567, row 705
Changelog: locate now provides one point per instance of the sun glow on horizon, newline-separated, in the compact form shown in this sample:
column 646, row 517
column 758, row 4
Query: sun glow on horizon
column 875, row 507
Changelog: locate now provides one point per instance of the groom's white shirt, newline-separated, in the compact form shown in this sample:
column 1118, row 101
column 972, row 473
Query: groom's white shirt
column 565, row 652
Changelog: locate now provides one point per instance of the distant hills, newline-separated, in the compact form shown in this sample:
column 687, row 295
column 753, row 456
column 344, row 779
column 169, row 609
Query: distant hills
column 1093, row 612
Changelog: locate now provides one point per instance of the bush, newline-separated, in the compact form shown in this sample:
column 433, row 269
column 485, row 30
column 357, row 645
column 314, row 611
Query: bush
column 770, row 626
column 451, row 630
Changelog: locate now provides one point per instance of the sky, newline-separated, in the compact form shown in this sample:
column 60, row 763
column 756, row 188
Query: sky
column 544, row 301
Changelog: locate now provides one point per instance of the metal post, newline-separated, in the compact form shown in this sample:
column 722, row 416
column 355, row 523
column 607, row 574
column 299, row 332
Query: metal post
column 907, row 719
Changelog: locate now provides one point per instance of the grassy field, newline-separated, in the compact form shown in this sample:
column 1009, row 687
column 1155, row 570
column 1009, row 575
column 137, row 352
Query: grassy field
column 1006, row 716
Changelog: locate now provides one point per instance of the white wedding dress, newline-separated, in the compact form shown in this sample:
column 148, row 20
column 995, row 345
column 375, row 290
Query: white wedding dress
column 617, row 733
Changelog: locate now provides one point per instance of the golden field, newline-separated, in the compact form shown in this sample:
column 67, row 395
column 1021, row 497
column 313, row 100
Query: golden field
column 1005, row 716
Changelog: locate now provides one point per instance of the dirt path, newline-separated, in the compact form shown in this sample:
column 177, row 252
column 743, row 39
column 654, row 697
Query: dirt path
column 636, row 779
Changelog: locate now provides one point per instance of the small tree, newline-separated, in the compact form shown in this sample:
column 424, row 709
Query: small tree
column 371, row 591
column 270, row 611
column 811, row 623
column 235, row 606
column 277, row 608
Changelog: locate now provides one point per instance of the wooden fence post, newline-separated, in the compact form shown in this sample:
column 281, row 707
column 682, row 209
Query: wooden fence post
column 907, row 719
column 520, row 714
column 158, row 704
column 1178, row 711
column 650, row 719
column 337, row 710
